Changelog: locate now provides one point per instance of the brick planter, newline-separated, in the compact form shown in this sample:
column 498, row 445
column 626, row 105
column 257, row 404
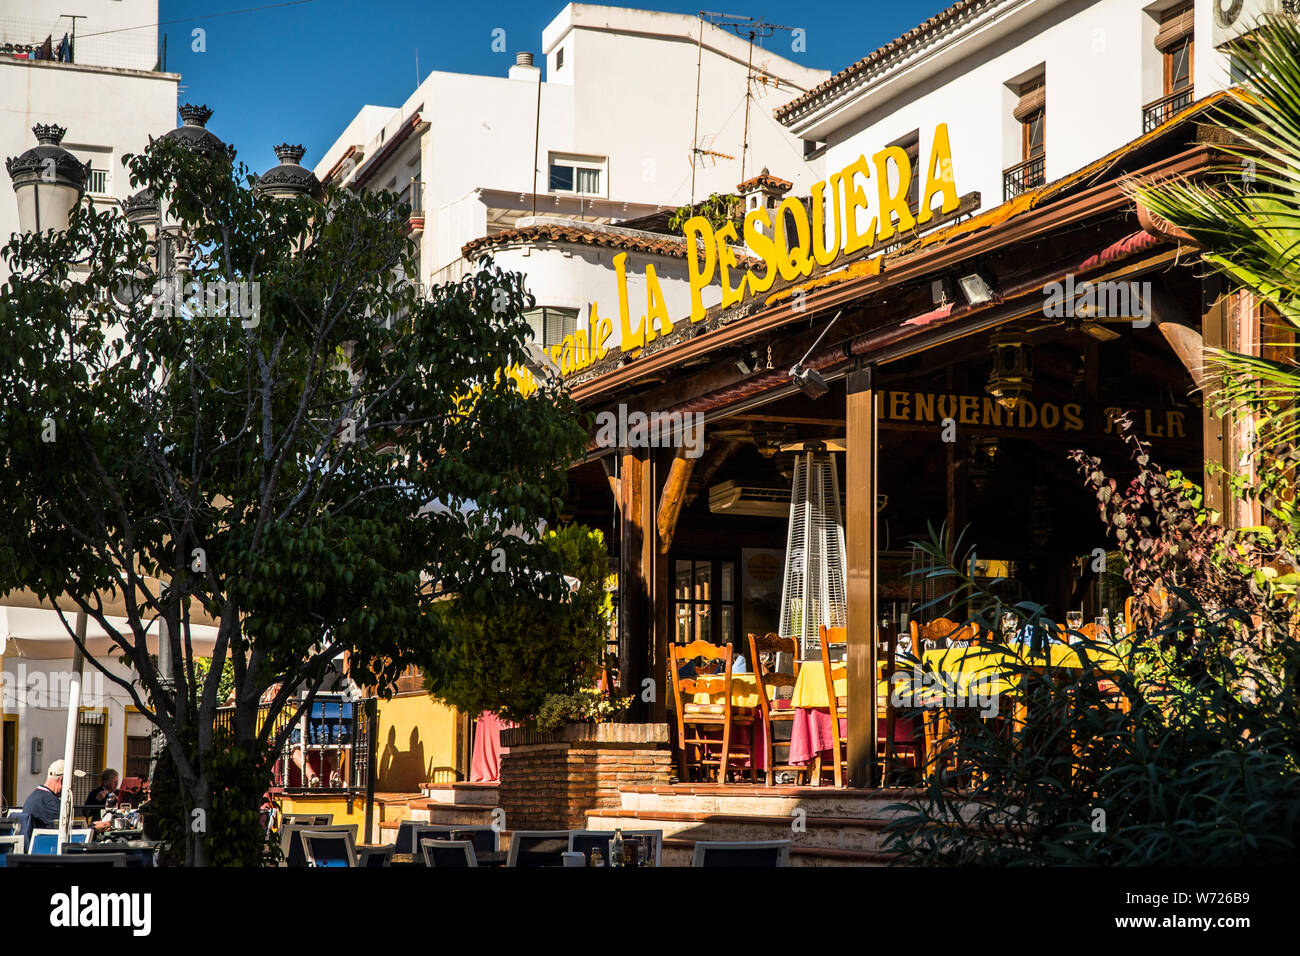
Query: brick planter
column 549, row 781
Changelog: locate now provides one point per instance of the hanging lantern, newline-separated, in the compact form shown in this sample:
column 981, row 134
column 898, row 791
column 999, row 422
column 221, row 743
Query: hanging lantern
column 1012, row 377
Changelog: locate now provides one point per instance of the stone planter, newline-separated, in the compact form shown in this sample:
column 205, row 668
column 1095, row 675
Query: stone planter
column 550, row 781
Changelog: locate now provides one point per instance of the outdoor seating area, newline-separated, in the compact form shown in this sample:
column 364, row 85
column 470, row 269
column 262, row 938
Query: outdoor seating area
column 435, row 845
column 786, row 727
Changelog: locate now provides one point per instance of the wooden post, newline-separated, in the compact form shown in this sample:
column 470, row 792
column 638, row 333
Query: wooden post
column 1216, row 431
column 860, row 545
column 636, row 576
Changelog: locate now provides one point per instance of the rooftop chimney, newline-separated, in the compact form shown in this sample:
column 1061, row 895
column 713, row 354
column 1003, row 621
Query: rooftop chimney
column 524, row 68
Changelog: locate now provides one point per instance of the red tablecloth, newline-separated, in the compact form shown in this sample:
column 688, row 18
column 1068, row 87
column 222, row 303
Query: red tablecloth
column 810, row 733
column 752, row 735
column 485, row 762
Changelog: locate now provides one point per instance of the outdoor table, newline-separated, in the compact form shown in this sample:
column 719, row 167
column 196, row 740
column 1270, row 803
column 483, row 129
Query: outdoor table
column 810, row 731
column 402, row 860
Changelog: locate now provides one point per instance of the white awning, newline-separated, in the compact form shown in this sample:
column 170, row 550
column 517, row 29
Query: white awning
column 38, row 633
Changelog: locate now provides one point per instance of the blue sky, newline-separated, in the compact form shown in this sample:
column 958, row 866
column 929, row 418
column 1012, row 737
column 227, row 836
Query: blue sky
column 299, row 72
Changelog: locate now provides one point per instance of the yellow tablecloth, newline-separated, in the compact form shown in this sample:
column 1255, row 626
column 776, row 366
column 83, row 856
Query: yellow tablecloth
column 744, row 691
column 961, row 667
column 810, row 685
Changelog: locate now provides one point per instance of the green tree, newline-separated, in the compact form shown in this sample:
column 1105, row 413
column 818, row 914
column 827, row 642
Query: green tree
column 1248, row 219
column 303, row 474
column 500, row 662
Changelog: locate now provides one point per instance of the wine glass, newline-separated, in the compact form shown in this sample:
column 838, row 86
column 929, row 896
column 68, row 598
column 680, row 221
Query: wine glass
column 1074, row 621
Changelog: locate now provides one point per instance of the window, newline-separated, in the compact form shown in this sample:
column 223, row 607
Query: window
column 88, row 754
column 138, row 751
column 550, row 325
column 1174, row 41
column 559, row 58
column 705, row 595
column 1175, row 45
column 98, row 183
column 583, row 176
column 1030, row 113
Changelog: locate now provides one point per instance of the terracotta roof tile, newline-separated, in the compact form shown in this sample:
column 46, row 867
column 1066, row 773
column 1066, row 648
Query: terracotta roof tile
column 882, row 56
column 764, row 179
column 672, row 246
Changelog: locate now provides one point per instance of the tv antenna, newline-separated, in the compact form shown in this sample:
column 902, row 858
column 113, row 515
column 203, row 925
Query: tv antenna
column 751, row 28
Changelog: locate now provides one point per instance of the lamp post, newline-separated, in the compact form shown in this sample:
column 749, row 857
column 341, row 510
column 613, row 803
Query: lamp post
column 48, row 181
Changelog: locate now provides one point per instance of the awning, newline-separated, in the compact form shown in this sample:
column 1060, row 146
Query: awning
column 38, row 633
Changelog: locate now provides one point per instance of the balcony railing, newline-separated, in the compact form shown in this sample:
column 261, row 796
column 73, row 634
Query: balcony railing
column 328, row 750
column 413, row 195
column 1030, row 174
column 1154, row 114
column 98, row 183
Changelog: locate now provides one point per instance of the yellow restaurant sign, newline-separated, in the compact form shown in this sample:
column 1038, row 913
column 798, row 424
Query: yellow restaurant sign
column 791, row 257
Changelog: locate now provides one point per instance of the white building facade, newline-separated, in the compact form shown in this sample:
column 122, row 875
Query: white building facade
column 105, row 92
column 1027, row 91
column 103, row 87
column 613, row 131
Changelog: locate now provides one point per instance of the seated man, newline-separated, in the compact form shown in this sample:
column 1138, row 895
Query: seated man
column 41, row 808
column 105, row 795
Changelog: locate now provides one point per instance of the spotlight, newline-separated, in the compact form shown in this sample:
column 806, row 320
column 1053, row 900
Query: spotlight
column 976, row 288
column 539, row 362
column 808, row 380
column 746, row 363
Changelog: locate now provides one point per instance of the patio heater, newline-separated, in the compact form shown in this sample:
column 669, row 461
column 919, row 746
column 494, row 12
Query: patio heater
column 813, row 593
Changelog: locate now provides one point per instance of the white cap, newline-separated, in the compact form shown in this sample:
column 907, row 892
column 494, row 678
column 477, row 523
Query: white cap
column 56, row 770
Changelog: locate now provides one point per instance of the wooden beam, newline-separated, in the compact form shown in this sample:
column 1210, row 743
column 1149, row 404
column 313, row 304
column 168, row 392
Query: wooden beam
column 714, row 459
column 860, row 545
column 615, row 489
column 636, row 576
column 672, row 499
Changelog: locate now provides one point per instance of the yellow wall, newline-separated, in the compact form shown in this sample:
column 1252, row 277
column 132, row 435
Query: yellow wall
column 417, row 743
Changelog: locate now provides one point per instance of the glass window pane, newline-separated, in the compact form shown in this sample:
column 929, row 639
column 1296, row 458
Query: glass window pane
column 683, row 623
column 561, row 177
column 683, row 585
column 588, row 180
column 1179, row 68
column 703, row 581
column 727, row 613
column 1036, row 134
column 728, row 581
column 703, row 623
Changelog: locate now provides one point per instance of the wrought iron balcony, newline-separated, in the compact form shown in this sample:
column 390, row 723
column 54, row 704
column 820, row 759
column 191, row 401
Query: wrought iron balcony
column 1158, row 112
column 1021, row 177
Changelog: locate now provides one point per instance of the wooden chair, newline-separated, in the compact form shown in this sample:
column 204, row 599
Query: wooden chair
column 693, row 719
column 940, row 631
column 771, row 710
column 837, row 706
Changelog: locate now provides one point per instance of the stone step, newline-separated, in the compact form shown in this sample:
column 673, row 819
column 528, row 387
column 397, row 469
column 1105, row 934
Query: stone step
column 769, row 801
column 824, row 832
column 678, row 851
column 461, row 794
